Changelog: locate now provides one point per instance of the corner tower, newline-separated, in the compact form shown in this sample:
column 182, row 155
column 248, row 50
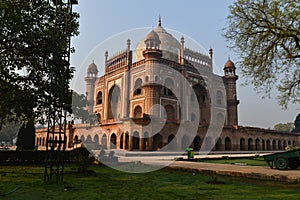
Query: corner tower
column 90, row 80
column 230, row 79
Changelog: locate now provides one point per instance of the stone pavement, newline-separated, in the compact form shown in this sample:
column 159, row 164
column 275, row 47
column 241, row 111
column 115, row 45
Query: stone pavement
column 256, row 172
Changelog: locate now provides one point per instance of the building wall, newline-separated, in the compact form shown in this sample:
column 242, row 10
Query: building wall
column 113, row 136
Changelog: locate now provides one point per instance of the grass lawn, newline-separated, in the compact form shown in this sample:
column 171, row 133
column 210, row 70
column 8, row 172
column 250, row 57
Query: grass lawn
column 102, row 182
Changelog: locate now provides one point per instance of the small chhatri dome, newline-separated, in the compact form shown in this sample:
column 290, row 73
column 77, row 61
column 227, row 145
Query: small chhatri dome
column 229, row 68
column 152, row 40
column 152, row 36
column 229, row 64
column 92, row 69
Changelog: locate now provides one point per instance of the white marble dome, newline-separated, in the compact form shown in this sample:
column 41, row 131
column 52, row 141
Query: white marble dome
column 169, row 45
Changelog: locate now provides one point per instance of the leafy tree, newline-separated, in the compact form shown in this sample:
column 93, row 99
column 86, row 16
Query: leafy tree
column 266, row 36
column 79, row 103
column 297, row 124
column 26, row 137
column 9, row 131
column 34, row 65
column 79, row 111
column 287, row 127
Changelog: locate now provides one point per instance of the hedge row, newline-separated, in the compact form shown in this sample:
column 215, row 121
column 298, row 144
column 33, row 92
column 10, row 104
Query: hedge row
column 38, row 157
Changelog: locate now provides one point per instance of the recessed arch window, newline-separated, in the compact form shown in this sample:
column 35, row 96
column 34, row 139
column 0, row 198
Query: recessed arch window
column 219, row 98
column 114, row 100
column 137, row 112
column 99, row 98
column 169, row 85
column 138, row 86
column 170, row 112
column 220, row 118
column 200, row 93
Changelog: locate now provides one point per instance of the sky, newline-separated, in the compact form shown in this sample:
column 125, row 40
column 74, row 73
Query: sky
column 106, row 25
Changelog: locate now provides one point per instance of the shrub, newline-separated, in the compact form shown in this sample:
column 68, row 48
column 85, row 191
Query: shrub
column 82, row 157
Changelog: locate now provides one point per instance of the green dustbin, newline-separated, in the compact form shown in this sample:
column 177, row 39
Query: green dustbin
column 190, row 153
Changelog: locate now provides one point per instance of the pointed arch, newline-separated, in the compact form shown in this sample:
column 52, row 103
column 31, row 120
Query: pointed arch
column 170, row 113
column 145, row 140
column 126, row 140
column 136, row 140
column 157, row 141
column 121, row 140
column 250, row 144
column 104, row 141
column 228, row 144
column 137, row 113
column 268, row 144
column 96, row 139
column 82, row 138
column 257, row 144
column 219, row 98
column 114, row 102
column 169, row 86
column 138, row 87
column 197, row 143
column 172, row 142
column 274, row 145
column 242, row 144
column 99, row 98
column 218, row 146
column 184, row 142
column 113, row 141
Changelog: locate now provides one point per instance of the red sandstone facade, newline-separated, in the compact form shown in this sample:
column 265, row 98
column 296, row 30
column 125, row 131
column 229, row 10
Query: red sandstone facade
column 159, row 72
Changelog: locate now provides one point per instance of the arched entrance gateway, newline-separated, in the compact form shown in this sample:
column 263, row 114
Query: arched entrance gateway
column 257, row 144
column 184, row 142
column 121, row 140
column 197, row 143
column 242, row 144
column 104, row 141
column 172, row 141
column 218, row 146
column 114, row 103
column 136, row 141
column 113, row 141
column 227, row 144
column 157, row 141
column 146, row 141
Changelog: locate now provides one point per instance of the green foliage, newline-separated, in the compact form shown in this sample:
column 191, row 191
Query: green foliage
column 82, row 157
column 266, row 36
column 79, row 111
column 297, row 124
column 286, row 127
column 79, row 103
column 26, row 137
column 9, row 131
column 34, row 65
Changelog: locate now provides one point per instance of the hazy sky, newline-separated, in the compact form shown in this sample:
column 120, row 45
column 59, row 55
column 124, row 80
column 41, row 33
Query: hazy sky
column 200, row 20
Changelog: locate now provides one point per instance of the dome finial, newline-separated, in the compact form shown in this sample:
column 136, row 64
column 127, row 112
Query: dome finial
column 159, row 21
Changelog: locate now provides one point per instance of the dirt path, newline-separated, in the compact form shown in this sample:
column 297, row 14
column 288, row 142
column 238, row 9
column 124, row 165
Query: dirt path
column 257, row 172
